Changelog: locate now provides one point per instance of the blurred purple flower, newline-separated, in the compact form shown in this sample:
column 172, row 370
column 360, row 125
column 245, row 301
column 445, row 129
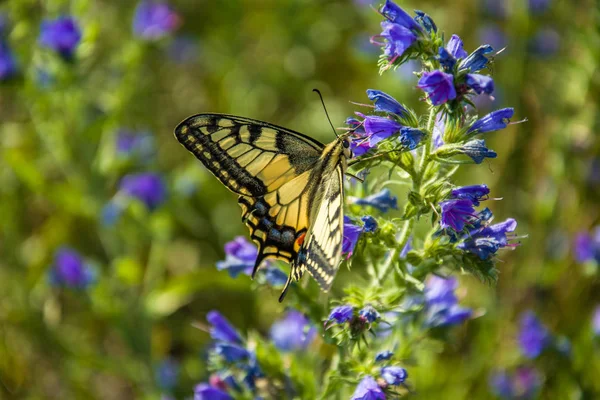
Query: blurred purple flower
column 522, row 384
column 134, row 143
column 545, row 43
column 533, row 335
column 384, row 355
column 149, row 188
column 293, row 332
column 154, row 20
column 369, row 313
column 585, row 247
column 538, row 7
column 475, row 193
column 439, row 87
column 370, row 224
column 8, row 64
column 596, row 321
column 382, row 200
column 70, row 270
column 341, row 314
column 477, row 151
column 351, row 235
column 386, row 103
column 487, row 240
column 231, row 352
column 167, row 373
column 61, row 35
column 240, row 257
column 204, row 391
column 495, row 8
column 502, row 385
column 440, row 290
column 394, row 375
column 480, row 83
column 275, row 276
column 456, row 213
column 368, row 389
column 221, row 329
column 493, row 121
column 441, row 304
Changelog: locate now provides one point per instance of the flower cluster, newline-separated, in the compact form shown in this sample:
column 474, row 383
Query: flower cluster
column 355, row 322
column 390, row 376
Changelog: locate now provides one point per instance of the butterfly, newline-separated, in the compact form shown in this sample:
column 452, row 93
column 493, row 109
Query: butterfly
column 289, row 186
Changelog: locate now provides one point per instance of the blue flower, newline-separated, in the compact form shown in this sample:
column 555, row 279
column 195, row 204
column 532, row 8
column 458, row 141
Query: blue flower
column 487, row 240
column 221, row 329
column 394, row 375
column 441, row 304
column 397, row 15
column 455, row 47
column 380, row 128
column 397, row 40
column 370, row 224
column 61, row 35
column 148, row 188
column 439, row 86
column 167, row 373
column 204, row 391
column 294, row 332
column 368, row 389
column 384, row 355
column 585, row 247
column 596, row 321
column 440, row 290
column 411, row 137
column 425, row 21
column 533, row 336
column 8, row 64
column 70, row 270
column 545, row 43
column 477, row 151
column 341, row 314
column 456, row 213
column 386, row 103
column 477, row 60
column 154, row 20
column 475, row 193
column 351, row 235
column 369, row 313
column 493, row 121
column 382, row 200
column 231, row 352
column 275, row 276
column 480, row 83
column 240, row 257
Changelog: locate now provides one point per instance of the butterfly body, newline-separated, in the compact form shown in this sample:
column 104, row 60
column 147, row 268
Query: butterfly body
column 290, row 188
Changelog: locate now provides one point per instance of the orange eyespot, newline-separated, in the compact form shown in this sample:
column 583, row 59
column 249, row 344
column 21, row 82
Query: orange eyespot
column 299, row 241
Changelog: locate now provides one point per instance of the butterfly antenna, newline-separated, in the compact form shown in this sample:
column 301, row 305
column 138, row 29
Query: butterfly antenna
column 326, row 113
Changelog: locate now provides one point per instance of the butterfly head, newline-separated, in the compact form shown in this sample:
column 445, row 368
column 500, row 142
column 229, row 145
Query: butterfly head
column 345, row 141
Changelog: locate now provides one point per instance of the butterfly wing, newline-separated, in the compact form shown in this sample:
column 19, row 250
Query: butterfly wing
column 268, row 166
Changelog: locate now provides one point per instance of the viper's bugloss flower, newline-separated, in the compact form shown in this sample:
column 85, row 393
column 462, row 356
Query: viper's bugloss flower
column 368, row 389
column 486, row 241
column 397, row 39
column 545, row 43
column 70, row 270
column 439, row 86
column 221, row 329
column 480, row 83
column 456, row 213
column 425, row 21
column 231, row 352
column 501, row 385
column 61, row 35
column 275, row 276
column 587, row 246
column 167, row 373
column 441, row 304
column 384, row 355
column 382, row 200
column 475, row 193
column 394, row 375
column 380, row 128
column 397, row 15
column 477, row 151
column 240, row 256
column 360, row 141
column 8, row 64
column 293, row 332
column 154, row 20
column 477, row 60
column 522, row 384
column 341, row 314
column 493, row 121
column 596, row 321
column 533, row 335
column 370, row 224
column 440, row 290
column 386, row 103
column 351, row 235
column 204, row 391
column 149, row 188
column 369, row 313
column 410, row 137
column 451, row 53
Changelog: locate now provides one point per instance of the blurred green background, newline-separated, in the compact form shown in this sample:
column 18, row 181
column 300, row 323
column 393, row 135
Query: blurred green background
column 155, row 269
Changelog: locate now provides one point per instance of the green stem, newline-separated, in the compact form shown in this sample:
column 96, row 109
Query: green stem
column 404, row 235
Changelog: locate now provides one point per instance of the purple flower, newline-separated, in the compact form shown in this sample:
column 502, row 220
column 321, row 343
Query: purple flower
column 386, row 103
column 383, row 201
column 441, row 304
column 487, row 240
column 370, row 224
column 522, row 384
column 351, row 235
column 425, row 21
column 502, row 385
column 397, row 40
column 477, row 151
column 394, row 375
column 341, row 314
column 8, row 64
column 384, row 355
column 154, row 20
column 456, row 213
column 148, row 188
column 294, row 332
column 440, row 290
column 493, row 121
column 495, row 8
column 231, row 352
column 368, row 389
column 70, row 270
column 204, row 391
column 275, row 276
column 61, row 35
column 475, row 193
column 587, row 246
column 533, row 336
column 545, row 43
column 410, row 137
column 439, row 86
column 167, row 373
column 477, row 60
column 133, row 143
column 380, row 128
column 539, row 6
column 596, row 321
column 221, row 329
column 480, row 83
column 369, row 313
column 240, row 257
column 397, row 15
column 455, row 47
